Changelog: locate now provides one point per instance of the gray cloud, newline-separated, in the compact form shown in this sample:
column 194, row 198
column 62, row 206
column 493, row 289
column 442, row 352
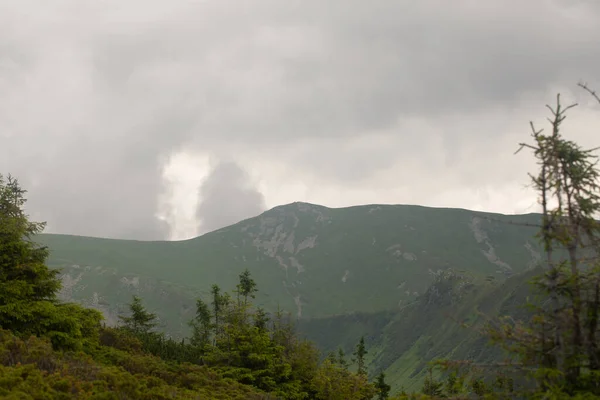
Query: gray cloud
column 94, row 97
column 227, row 196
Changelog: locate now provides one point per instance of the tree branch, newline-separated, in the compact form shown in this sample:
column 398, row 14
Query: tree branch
column 585, row 87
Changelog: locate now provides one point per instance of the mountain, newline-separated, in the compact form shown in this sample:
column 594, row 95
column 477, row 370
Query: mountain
column 309, row 259
column 328, row 266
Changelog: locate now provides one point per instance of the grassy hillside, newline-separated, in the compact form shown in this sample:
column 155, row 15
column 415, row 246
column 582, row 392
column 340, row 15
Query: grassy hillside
column 314, row 260
column 441, row 324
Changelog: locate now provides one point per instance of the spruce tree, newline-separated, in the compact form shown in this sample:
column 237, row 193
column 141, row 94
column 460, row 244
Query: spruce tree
column 247, row 286
column 261, row 319
column 559, row 345
column 140, row 321
column 359, row 354
column 341, row 359
column 383, row 389
column 218, row 304
column 23, row 275
column 201, row 325
column 568, row 185
column 332, row 358
column 432, row 387
column 28, row 287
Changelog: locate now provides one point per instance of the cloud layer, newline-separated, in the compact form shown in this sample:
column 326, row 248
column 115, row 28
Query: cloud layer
column 331, row 102
column 227, row 197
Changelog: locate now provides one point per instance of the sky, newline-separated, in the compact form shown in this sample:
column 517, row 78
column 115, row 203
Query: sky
column 149, row 119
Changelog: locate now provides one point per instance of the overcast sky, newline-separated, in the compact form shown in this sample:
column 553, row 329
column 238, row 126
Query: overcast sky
column 154, row 119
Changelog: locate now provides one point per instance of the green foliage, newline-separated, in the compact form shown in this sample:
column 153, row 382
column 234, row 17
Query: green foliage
column 28, row 288
column 201, row 325
column 269, row 357
column 261, row 319
column 383, row 389
column 133, row 362
column 431, row 386
column 23, row 274
column 247, row 287
column 341, row 359
column 333, row 382
column 219, row 301
column 140, row 321
column 359, row 353
column 31, row 369
column 245, row 348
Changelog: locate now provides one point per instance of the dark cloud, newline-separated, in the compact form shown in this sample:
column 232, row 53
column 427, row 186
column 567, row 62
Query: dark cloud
column 279, row 71
column 227, row 196
column 95, row 97
column 84, row 194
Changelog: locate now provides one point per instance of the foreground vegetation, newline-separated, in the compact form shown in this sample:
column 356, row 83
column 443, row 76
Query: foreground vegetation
column 55, row 350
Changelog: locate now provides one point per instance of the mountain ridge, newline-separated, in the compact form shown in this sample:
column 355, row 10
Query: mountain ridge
column 303, row 203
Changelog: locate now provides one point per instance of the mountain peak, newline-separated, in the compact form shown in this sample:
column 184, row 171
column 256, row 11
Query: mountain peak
column 299, row 205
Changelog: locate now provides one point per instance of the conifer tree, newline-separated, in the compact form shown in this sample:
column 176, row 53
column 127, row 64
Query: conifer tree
column 261, row 319
column 383, row 389
column 283, row 330
column 359, row 354
column 560, row 343
column 341, row 359
column 23, row 275
column 431, row 386
column 332, row 358
column 201, row 325
column 568, row 186
column 140, row 321
column 28, row 287
column 218, row 305
column 247, row 286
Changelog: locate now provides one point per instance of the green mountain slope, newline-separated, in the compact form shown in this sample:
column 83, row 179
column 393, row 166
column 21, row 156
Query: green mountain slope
column 312, row 260
column 442, row 323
